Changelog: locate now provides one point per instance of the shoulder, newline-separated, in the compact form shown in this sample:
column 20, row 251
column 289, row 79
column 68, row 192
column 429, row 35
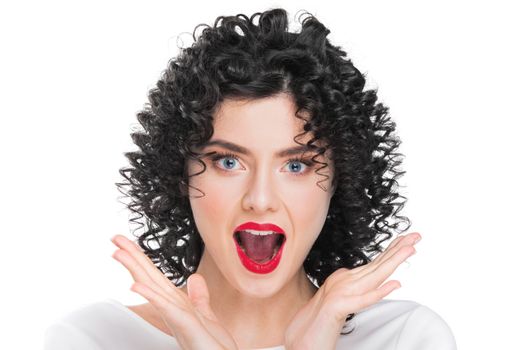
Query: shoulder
column 80, row 328
column 64, row 336
column 426, row 329
column 86, row 313
column 398, row 324
column 104, row 324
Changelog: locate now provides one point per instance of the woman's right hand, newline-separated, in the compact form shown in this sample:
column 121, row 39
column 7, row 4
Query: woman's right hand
column 189, row 317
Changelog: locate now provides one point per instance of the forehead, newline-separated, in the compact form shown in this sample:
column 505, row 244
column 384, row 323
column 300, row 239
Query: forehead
column 258, row 126
column 272, row 118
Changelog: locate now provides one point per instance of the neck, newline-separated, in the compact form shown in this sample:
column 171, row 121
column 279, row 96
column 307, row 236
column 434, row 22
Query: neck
column 255, row 321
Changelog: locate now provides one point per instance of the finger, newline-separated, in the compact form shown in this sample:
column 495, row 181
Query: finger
column 137, row 271
column 200, row 296
column 353, row 303
column 153, row 272
column 375, row 295
column 163, row 305
column 152, row 296
column 392, row 248
column 395, row 246
column 398, row 243
column 125, row 244
column 375, row 277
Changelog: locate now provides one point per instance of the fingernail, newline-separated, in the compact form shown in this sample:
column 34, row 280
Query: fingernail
column 418, row 238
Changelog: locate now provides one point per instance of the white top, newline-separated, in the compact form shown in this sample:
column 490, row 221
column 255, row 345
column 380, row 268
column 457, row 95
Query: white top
column 386, row 325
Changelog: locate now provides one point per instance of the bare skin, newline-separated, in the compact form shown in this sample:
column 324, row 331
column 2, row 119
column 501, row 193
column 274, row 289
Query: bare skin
column 148, row 313
column 272, row 337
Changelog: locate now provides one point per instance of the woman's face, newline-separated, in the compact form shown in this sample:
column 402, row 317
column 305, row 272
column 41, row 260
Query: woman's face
column 260, row 186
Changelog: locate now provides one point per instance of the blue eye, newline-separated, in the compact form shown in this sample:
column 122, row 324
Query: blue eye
column 297, row 163
column 227, row 161
column 220, row 157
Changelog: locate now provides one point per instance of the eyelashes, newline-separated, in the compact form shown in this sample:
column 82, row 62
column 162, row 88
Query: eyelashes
column 219, row 155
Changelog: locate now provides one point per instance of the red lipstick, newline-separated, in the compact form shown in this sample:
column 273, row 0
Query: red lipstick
column 260, row 227
column 251, row 265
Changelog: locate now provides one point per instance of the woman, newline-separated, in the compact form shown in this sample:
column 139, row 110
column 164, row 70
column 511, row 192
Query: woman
column 262, row 174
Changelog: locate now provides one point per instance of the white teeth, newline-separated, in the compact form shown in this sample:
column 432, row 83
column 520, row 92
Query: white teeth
column 260, row 233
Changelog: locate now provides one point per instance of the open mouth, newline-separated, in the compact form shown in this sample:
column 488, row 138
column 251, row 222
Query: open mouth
column 259, row 246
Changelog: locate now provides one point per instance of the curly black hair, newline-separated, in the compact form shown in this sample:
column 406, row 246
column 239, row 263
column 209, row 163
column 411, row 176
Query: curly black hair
column 238, row 58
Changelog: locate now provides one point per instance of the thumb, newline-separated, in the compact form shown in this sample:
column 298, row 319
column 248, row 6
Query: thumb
column 199, row 296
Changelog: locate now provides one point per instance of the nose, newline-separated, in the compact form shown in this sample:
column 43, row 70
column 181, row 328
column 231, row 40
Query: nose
column 261, row 195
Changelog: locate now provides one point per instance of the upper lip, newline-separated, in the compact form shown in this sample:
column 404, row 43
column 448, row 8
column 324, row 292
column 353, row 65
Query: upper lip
column 259, row 227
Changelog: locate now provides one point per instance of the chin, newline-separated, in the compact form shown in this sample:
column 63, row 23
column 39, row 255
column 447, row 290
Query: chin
column 262, row 288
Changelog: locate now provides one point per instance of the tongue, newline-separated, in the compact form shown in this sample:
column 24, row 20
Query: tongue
column 258, row 248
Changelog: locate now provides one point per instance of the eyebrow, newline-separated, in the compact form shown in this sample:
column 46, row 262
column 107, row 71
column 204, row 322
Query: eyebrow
column 240, row 149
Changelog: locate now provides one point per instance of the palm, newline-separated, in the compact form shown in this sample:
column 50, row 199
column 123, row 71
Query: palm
column 189, row 316
column 309, row 321
column 346, row 291
column 199, row 299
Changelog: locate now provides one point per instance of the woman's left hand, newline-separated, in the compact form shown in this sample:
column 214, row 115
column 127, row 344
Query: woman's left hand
column 346, row 291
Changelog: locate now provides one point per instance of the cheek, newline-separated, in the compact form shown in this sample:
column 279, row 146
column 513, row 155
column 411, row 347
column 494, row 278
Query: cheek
column 207, row 210
column 307, row 203
column 308, row 206
column 309, row 199
column 211, row 205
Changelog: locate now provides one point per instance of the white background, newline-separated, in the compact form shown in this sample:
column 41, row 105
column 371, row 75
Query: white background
column 74, row 74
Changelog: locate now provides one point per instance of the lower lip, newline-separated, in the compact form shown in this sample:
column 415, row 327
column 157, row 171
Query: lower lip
column 255, row 267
